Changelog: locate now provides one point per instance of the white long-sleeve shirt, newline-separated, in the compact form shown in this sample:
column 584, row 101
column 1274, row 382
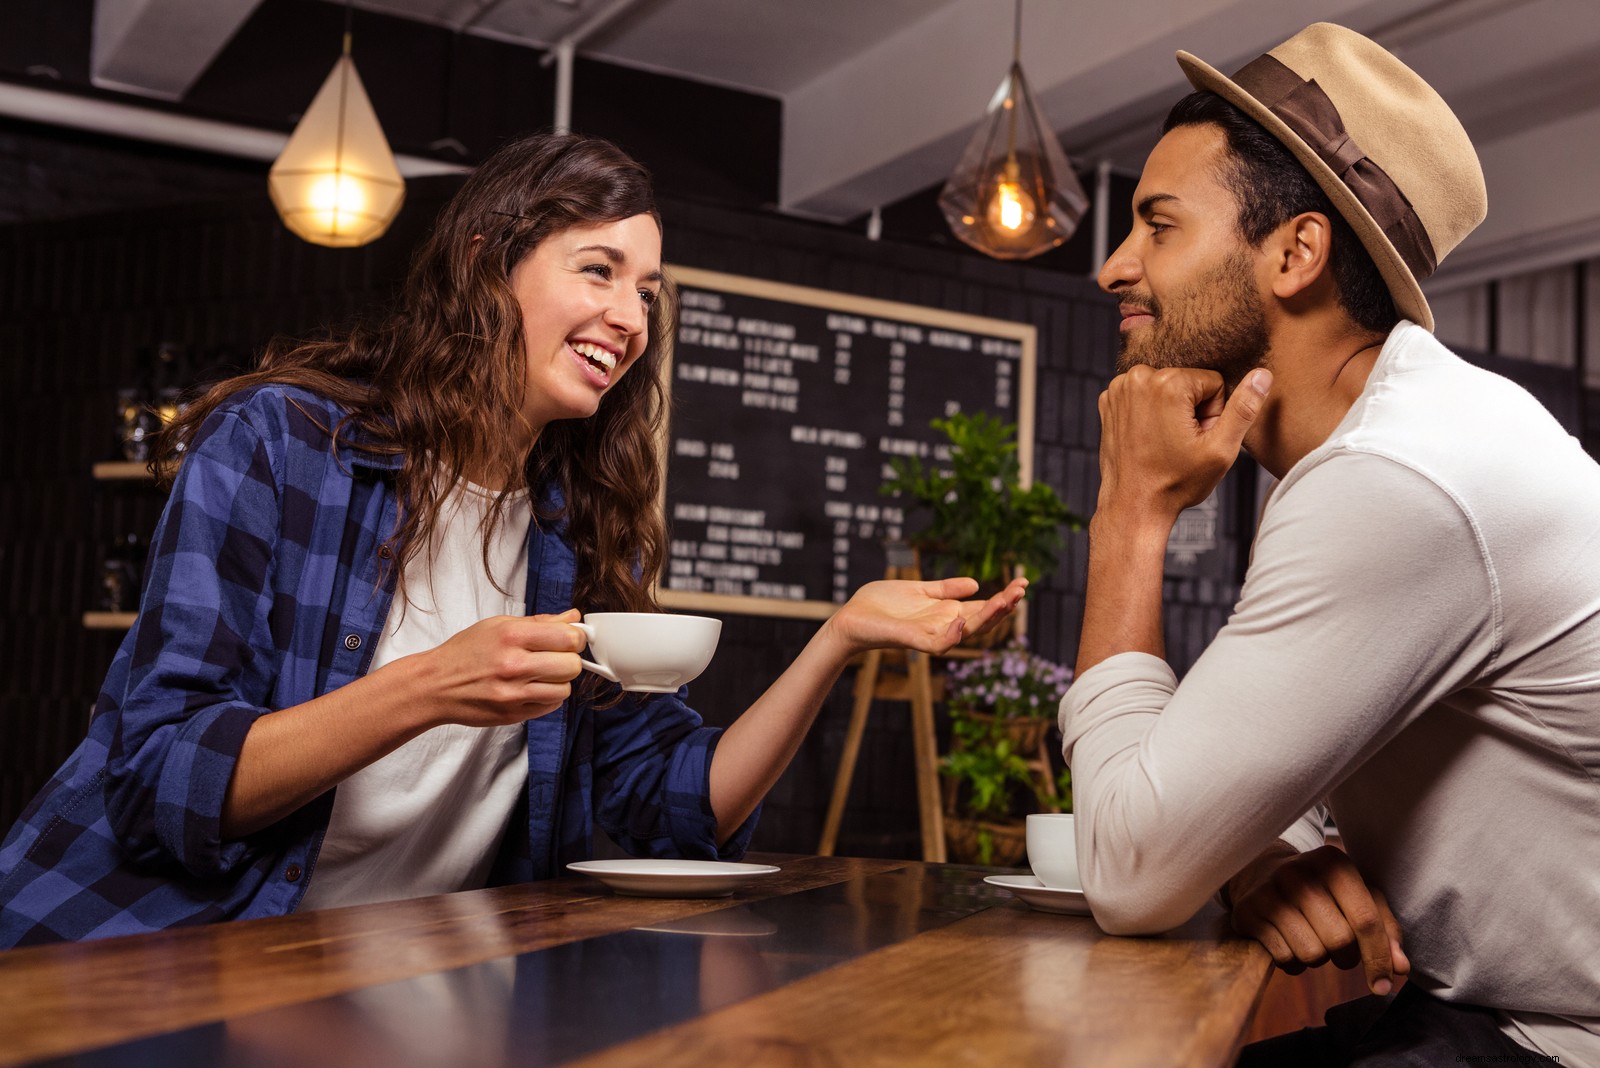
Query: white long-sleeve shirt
column 1418, row 643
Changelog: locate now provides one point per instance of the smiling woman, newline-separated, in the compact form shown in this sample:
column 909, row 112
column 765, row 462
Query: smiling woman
column 354, row 675
column 586, row 295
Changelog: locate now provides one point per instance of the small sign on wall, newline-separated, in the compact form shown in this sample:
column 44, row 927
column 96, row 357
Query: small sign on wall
column 1193, row 536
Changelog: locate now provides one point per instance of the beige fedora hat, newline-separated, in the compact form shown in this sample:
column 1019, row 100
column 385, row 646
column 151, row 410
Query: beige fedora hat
column 1389, row 153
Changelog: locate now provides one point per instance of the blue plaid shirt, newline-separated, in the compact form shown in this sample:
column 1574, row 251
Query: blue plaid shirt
column 263, row 592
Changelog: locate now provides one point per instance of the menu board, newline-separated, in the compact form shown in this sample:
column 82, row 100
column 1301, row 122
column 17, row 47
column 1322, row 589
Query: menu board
column 788, row 404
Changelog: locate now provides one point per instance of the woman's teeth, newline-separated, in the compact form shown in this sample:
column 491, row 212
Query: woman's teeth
column 596, row 355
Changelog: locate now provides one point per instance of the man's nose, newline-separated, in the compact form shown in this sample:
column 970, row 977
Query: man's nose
column 1121, row 268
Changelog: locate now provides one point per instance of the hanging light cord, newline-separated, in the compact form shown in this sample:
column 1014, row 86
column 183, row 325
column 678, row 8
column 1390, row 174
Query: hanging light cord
column 1011, row 93
column 338, row 145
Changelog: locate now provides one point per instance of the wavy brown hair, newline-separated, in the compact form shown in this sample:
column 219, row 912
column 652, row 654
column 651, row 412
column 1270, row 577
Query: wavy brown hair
column 440, row 380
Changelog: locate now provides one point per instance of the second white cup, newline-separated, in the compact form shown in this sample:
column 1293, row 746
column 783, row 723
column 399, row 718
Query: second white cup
column 1053, row 850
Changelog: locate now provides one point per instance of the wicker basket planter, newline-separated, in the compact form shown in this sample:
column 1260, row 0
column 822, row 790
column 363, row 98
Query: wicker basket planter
column 967, row 839
column 1026, row 735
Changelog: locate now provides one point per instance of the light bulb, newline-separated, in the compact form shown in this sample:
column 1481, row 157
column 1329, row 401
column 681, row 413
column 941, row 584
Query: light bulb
column 1011, row 209
column 337, row 198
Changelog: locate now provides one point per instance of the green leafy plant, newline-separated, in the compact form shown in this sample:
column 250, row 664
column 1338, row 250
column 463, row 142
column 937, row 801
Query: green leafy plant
column 1064, row 790
column 982, row 522
column 992, row 779
column 1007, row 683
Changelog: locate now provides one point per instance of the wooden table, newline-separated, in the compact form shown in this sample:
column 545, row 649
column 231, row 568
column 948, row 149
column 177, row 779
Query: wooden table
column 832, row 961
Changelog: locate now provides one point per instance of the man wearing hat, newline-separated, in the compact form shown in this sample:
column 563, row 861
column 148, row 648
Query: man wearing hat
column 1417, row 643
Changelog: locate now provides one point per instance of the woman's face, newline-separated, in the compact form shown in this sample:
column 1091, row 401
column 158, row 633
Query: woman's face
column 586, row 294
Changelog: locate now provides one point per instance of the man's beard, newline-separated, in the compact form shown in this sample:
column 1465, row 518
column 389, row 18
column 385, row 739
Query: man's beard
column 1216, row 323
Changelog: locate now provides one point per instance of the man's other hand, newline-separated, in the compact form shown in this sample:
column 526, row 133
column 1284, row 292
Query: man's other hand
column 1311, row 908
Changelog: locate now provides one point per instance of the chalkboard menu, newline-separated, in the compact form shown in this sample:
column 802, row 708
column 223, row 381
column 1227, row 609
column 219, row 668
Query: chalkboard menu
column 788, row 405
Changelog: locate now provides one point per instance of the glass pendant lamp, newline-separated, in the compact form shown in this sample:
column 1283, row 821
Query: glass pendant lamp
column 336, row 182
column 1013, row 195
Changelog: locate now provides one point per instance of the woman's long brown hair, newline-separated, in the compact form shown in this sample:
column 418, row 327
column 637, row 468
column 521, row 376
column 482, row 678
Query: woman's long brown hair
column 441, row 379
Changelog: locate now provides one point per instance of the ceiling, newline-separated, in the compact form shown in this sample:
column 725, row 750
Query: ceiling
column 879, row 96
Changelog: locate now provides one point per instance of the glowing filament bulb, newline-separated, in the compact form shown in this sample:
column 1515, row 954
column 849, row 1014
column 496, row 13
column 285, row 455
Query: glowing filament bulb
column 1011, row 209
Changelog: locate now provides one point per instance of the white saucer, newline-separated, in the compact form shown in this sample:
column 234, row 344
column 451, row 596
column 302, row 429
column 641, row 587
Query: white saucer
column 1042, row 897
column 672, row 878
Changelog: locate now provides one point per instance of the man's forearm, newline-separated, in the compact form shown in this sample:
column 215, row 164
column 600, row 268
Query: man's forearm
column 1122, row 602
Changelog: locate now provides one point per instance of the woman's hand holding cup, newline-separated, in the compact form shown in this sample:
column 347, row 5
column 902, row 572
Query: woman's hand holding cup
column 505, row 669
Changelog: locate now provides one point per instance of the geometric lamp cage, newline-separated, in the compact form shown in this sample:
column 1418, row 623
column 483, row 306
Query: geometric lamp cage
column 1013, row 194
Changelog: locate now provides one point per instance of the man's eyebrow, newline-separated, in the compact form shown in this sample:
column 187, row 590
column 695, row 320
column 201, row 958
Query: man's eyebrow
column 1149, row 203
column 616, row 256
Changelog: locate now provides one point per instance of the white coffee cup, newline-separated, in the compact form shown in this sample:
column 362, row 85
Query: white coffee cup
column 1053, row 850
column 649, row 652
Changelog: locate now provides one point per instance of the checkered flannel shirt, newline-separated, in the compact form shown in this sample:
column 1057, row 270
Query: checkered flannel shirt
column 263, row 591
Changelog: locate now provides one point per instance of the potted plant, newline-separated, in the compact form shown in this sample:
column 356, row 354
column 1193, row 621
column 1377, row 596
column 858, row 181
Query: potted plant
column 991, row 790
column 1002, row 705
column 1014, row 687
column 981, row 521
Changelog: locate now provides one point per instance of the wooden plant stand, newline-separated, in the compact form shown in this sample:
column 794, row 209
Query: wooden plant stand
column 894, row 675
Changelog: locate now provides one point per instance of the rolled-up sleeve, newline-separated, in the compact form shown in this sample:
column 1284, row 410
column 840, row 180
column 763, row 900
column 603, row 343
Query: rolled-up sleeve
column 652, row 761
column 200, row 668
column 1344, row 634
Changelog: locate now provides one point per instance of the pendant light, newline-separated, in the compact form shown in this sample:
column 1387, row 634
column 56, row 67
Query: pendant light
column 1013, row 194
column 336, row 182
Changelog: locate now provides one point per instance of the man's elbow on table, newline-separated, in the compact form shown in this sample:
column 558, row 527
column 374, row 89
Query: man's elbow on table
column 1138, row 903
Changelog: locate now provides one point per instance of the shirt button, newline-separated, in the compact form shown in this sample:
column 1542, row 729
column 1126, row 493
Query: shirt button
column 292, row 873
column 384, row 552
column 352, row 642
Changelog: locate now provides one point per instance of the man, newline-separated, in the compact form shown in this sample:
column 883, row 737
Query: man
column 1418, row 637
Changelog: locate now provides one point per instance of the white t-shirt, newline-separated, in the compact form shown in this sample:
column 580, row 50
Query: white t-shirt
column 428, row 817
column 1417, row 641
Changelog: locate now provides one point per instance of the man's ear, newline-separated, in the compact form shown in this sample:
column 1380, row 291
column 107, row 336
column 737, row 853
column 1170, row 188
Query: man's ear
column 1300, row 250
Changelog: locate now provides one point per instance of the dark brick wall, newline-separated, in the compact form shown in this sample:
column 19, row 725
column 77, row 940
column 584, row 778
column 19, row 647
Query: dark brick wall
column 49, row 173
column 79, row 298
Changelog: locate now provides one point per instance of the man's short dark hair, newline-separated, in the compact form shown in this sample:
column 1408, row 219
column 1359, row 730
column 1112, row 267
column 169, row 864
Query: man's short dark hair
column 1272, row 187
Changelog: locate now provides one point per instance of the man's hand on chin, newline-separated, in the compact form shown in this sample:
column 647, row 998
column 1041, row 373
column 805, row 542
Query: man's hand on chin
column 1168, row 436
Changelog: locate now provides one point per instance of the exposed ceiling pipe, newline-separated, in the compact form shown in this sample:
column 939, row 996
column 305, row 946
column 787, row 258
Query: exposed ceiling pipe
column 564, row 51
column 1102, row 215
column 117, row 119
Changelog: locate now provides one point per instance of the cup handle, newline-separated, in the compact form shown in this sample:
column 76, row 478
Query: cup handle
column 599, row 669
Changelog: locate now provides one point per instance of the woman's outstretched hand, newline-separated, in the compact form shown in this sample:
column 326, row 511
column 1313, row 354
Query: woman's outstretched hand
column 927, row 616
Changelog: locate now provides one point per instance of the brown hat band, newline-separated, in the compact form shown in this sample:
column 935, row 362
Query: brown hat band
column 1306, row 109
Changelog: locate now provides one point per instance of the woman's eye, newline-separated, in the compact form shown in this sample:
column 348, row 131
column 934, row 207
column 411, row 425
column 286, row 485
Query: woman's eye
column 649, row 297
column 599, row 270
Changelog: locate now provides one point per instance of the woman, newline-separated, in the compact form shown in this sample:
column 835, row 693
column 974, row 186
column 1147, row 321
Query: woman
column 363, row 580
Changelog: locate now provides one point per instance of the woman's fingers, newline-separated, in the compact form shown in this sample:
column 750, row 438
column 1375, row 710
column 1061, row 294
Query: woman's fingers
column 508, row 668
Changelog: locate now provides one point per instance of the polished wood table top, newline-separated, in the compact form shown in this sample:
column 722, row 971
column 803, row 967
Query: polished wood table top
column 832, row 961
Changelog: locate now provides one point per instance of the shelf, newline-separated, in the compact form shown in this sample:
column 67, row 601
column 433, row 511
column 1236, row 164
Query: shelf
column 109, row 620
column 123, row 470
